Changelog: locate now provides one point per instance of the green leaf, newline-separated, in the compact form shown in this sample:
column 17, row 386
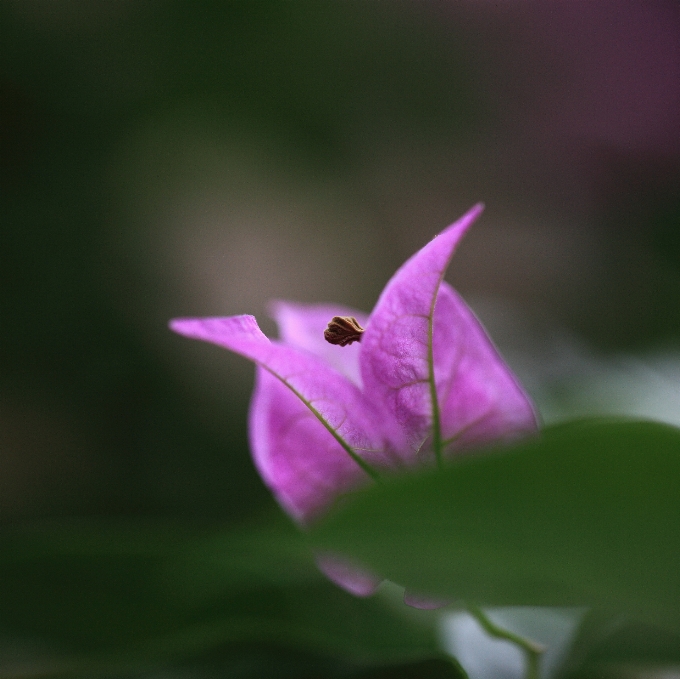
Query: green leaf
column 98, row 597
column 612, row 646
column 436, row 668
column 586, row 515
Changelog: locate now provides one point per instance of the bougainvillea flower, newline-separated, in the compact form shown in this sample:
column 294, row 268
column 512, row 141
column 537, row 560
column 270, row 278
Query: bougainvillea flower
column 413, row 383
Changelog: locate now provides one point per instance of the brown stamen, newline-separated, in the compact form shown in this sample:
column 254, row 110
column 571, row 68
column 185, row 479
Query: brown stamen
column 343, row 330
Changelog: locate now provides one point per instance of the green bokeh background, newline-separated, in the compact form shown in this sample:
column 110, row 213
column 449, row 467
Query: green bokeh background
column 123, row 124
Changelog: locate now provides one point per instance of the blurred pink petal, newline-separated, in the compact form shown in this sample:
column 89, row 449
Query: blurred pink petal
column 425, row 603
column 348, row 575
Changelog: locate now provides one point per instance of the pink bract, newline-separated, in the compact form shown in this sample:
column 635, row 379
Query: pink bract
column 424, row 383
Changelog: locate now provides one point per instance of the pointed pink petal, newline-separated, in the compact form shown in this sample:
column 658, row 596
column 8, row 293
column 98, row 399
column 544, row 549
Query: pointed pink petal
column 395, row 347
column 348, row 575
column 335, row 401
column 480, row 400
column 302, row 326
column 305, row 467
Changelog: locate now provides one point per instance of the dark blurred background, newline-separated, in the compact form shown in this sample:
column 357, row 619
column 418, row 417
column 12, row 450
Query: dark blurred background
column 173, row 158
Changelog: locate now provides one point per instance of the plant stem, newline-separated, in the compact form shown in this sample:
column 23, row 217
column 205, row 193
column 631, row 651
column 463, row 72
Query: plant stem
column 532, row 650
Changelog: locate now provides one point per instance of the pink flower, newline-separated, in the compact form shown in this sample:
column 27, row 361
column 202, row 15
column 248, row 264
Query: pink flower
column 419, row 384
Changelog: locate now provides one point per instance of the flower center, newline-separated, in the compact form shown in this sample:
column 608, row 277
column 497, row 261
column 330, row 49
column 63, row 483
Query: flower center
column 343, row 330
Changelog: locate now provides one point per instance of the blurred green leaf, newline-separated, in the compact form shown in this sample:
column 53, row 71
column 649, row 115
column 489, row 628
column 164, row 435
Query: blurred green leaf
column 587, row 514
column 105, row 597
column 436, row 668
column 613, row 646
